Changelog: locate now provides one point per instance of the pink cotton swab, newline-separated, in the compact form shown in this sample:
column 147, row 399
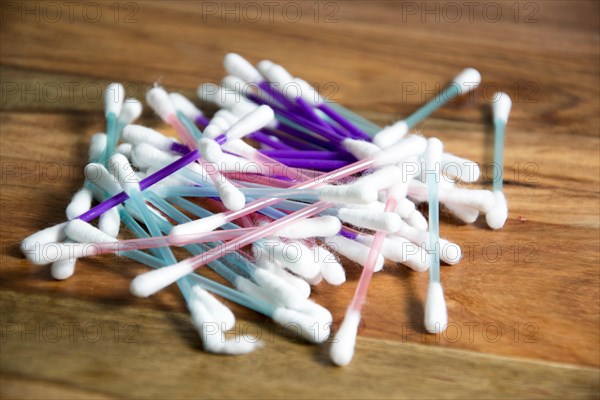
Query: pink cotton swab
column 342, row 348
column 151, row 282
column 53, row 252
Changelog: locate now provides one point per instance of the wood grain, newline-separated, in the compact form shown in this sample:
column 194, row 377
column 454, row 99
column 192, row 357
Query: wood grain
column 524, row 301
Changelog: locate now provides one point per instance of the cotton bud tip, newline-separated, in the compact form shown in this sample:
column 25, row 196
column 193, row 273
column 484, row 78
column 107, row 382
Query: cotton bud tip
column 436, row 315
column 210, row 150
column 159, row 101
column 113, row 99
column 501, row 105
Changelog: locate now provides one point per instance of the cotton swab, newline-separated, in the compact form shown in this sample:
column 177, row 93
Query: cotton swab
column 113, row 102
column 342, row 348
column 463, row 83
column 436, row 316
column 501, row 109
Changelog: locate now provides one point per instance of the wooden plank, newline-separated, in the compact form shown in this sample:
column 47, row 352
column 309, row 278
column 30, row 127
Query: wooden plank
column 85, row 344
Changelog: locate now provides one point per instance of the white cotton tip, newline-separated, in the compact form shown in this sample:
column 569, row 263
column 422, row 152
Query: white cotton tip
column 501, row 106
column 450, row 253
column 309, row 93
column 383, row 178
column 220, row 122
column 460, row 168
column 243, row 108
column 125, row 149
column 302, row 287
column 132, row 109
column 496, row 217
column 482, row 200
column 213, row 339
column 310, row 227
column 293, row 255
column 251, row 122
column 238, row 66
column 110, row 222
column 417, row 220
column 219, row 311
column 436, row 314
column 235, row 346
column 467, row 80
column 230, row 117
column 466, row 214
column 113, row 98
column 433, row 155
column 342, row 347
column 48, row 253
column 236, row 84
column 360, row 149
column 242, row 149
column 306, row 326
column 405, row 208
column 391, row 134
column 375, row 220
column 209, row 92
column 407, row 148
column 202, row 225
column 253, row 290
column 99, row 175
column 137, row 134
column 352, row 194
column 80, row 203
column 149, row 283
column 212, row 93
column 124, row 172
column 185, row 106
column 353, row 250
column 158, row 99
column 51, row 234
column 315, row 280
column 97, row 146
column 210, row 150
column 332, row 271
column 263, row 66
column 212, row 131
column 83, row 232
column 278, row 288
column 322, row 316
column 145, row 156
column 278, row 75
column 231, row 163
column 231, row 197
column 63, row 269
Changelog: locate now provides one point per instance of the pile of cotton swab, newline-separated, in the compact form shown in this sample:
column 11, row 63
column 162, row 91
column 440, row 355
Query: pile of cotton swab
column 272, row 219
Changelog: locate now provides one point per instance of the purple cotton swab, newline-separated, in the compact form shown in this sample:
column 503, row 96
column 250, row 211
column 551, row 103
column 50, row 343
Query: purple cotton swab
column 270, row 141
column 318, row 165
column 308, row 154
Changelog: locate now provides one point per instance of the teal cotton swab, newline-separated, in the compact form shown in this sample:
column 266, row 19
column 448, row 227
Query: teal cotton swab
column 496, row 217
column 436, row 316
column 113, row 103
column 500, row 110
column 463, row 83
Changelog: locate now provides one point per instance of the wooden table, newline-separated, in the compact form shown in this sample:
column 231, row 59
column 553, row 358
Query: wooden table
column 523, row 303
